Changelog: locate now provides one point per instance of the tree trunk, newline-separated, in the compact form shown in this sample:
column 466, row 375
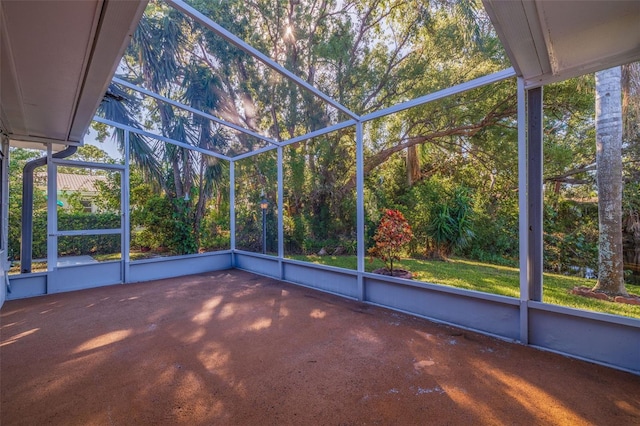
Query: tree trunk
column 609, row 178
column 413, row 165
column 631, row 244
column 203, row 196
column 177, row 178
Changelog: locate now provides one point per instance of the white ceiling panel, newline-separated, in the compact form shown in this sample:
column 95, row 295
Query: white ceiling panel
column 57, row 59
column 551, row 40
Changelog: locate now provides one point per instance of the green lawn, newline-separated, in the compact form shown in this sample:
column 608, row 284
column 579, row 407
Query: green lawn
column 462, row 273
column 490, row 279
column 42, row 266
column 133, row 255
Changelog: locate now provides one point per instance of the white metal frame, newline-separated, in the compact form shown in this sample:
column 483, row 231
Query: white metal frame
column 5, row 285
column 523, row 215
column 355, row 121
column 52, row 217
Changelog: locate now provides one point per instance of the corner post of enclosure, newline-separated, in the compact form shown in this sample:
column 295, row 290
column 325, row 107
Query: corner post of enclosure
column 280, row 212
column 530, row 199
column 52, row 215
column 535, row 191
column 360, row 207
column 232, row 211
column 523, row 217
column 125, row 217
column 4, row 226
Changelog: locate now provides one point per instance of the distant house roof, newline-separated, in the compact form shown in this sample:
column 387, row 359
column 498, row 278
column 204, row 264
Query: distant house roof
column 79, row 183
column 74, row 183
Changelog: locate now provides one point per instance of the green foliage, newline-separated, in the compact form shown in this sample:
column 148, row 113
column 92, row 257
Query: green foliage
column 451, row 224
column 73, row 201
column 165, row 224
column 318, row 204
column 496, row 236
column 88, row 153
column 441, row 214
column 80, row 221
column 183, row 238
column 256, row 179
column 461, row 197
column 418, row 201
column 214, row 231
column 571, row 235
column 366, row 55
column 159, row 222
column 70, row 245
column 165, row 228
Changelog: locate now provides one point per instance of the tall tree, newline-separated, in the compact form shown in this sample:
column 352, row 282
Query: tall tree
column 163, row 57
column 367, row 54
column 609, row 179
column 631, row 158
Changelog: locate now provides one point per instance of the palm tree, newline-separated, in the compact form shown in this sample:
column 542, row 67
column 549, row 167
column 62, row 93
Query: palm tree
column 200, row 92
column 159, row 57
column 119, row 106
column 609, row 179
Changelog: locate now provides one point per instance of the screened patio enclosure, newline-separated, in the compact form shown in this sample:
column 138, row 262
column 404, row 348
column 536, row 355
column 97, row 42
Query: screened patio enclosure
column 549, row 50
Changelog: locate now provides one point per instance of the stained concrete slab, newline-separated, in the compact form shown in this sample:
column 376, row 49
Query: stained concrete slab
column 233, row 348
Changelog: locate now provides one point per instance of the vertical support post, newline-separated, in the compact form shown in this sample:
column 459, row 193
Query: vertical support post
column 523, row 216
column 264, row 231
column 4, row 226
column 360, row 208
column 535, row 191
column 5, row 200
column 280, row 211
column 125, row 217
column 232, row 211
column 52, row 217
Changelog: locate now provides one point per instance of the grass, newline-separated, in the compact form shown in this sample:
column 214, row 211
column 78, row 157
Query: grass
column 460, row 273
column 42, row 266
column 35, row 267
column 489, row 278
column 134, row 255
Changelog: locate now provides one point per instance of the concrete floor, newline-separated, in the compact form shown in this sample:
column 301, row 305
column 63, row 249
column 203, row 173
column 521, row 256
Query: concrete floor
column 234, row 348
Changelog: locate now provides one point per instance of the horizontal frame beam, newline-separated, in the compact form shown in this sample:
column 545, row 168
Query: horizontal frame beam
column 193, row 110
column 440, row 94
column 252, row 153
column 160, row 138
column 88, row 164
column 301, row 138
column 87, row 232
column 316, row 133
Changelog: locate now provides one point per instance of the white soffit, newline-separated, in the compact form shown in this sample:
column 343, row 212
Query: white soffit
column 57, row 58
column 552, row 40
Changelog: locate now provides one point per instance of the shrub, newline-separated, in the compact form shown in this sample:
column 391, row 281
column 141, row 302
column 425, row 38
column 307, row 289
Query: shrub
column 70, row 245
column 392, row 234
column 451, row 225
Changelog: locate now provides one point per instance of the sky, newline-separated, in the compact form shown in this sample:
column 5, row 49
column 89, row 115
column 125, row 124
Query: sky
column 108, row 145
